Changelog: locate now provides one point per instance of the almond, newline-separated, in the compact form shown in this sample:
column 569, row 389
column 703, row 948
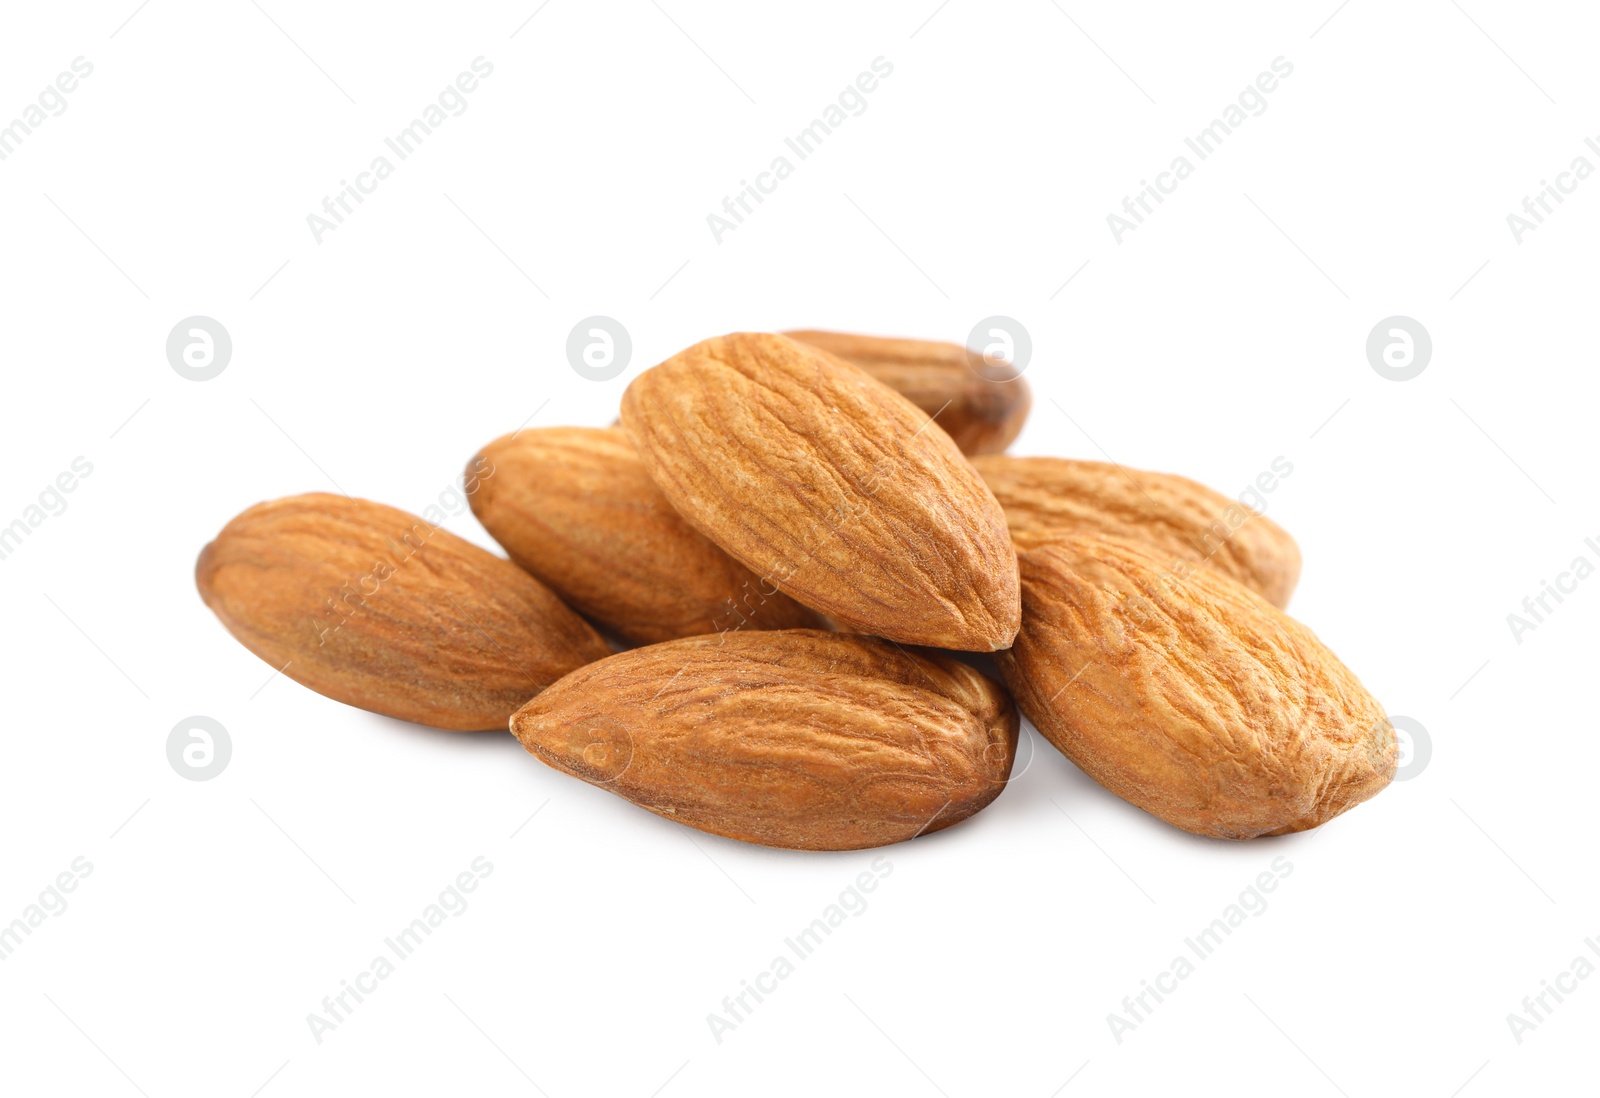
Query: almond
column 1190, row 696
column 795, row 738
column 379, row 609
column 829, row 486
column 574, row 506
column 983, row 416
column 1174, row 517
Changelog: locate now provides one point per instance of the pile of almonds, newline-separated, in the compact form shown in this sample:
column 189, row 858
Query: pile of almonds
column 789, row 529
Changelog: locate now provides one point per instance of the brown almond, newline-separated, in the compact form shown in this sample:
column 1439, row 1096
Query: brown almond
column 1046, row 497
column 1189, row 695
column 828, row 485
column 983, row 416
column 796, row 738
column 380, row 609
column 574, row 506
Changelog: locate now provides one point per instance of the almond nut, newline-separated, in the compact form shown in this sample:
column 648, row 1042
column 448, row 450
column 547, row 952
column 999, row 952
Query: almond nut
column 795, row 738
column 379, row 609
column 830, row 486
column 1190, row 696
column 983, row 416
column 574, row 506
column 1176, row 518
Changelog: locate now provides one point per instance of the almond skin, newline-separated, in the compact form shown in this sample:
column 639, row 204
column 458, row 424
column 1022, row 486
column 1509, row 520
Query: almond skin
column 1045, row 497
column 1188, row 695
column 796, row 738
column 574, row 506
column 376, row 608
column 830, row 486
column 983, row 416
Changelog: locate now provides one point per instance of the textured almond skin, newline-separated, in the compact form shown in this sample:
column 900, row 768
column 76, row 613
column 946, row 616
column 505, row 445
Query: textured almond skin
column 798, row 738
column 372, row 607
column 984, row 417
column 574, row 506
column 1045, row 497
column 1189, row 695
column 830, row 485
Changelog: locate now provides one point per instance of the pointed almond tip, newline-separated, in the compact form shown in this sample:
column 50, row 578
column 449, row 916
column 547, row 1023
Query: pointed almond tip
column 1004, row 627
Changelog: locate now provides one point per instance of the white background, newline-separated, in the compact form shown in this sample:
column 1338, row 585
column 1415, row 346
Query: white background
column 1226, row 331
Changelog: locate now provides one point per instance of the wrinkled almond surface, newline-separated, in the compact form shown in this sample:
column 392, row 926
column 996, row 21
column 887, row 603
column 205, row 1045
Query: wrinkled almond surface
column 1046, row 497
column 377, row 608
column 830, row 486
column 798, row 738
column 983, row 416
column 574, row 506
column 1189, row 695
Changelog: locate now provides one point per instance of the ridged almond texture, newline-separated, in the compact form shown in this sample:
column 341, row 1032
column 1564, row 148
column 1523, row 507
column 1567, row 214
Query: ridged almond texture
column 983, row 416
column 830, row 486
column 1046, row 497
column 574, row 506
column 796, row 738
column 379, row 609
column 1189, row 695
